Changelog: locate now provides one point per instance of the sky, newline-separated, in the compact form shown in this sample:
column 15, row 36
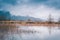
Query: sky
column 33, row 8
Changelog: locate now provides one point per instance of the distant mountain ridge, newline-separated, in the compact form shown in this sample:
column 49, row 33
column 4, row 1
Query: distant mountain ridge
column 5, row 15
column 25, row 18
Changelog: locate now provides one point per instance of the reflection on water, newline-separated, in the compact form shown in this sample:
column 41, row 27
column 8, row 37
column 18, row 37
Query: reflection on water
column 29, row 33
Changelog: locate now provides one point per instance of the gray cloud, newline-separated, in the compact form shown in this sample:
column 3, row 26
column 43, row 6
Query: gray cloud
column 5, row 3
column 8, row 1
column 50, row 3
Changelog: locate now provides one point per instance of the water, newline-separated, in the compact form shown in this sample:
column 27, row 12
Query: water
column 30, row 33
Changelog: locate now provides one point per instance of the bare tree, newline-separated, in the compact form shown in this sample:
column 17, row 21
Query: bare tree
column 59, row 20
column 50, row 20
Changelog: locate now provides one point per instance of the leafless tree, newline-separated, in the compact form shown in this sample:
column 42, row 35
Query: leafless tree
column 50, row 19
column 59, row 20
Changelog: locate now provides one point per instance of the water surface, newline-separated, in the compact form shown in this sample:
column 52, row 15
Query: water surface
column 30, row 33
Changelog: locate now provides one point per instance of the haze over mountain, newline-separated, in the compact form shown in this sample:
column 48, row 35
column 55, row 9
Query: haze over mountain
column 25, row 18
column 6, row 15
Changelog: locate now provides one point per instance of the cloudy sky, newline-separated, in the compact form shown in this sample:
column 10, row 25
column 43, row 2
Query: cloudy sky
column 33, row 8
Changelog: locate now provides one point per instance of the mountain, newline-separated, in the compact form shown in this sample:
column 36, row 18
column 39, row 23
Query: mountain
column 25, row 18
column 6, row 15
